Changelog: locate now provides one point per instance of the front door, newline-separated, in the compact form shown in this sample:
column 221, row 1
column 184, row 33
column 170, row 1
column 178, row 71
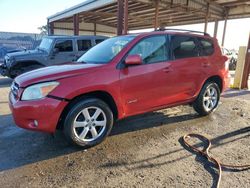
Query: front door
column 144, row 87
column 62, row 52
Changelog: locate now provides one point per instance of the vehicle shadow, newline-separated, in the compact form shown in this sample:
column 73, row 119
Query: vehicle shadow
column 235, row 93
column 5, row 82
column 149, row 120
column 20, row 147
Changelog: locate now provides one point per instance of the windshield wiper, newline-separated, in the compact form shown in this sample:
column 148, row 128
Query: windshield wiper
column 83, row 62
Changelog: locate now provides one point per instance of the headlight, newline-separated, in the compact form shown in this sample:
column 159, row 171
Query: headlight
column 38, row 91
column 9, row 60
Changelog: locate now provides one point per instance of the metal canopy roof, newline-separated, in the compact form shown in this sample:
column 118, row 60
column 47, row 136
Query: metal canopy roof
column 141, row 12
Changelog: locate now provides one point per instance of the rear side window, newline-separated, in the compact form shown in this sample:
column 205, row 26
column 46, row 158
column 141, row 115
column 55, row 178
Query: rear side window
column 152, row 50
column 84, row 45
column 184, row 47
column 64, row 45
column 207, row 47
column 97, row 41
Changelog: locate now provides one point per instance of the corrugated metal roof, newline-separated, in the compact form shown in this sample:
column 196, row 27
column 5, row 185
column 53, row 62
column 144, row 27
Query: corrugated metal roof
column 141, row 12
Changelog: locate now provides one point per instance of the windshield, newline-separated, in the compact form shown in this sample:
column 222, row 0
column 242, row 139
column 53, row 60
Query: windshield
column 104, row 52
column 45, row 44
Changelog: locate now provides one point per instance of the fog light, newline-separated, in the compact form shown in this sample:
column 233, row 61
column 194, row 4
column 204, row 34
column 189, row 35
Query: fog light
column 35, row 123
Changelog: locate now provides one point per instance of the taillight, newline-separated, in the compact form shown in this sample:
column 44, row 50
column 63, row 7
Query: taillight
column 227, row 61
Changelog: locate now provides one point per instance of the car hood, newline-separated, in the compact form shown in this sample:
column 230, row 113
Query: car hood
column 54, row 73
column 25, row 53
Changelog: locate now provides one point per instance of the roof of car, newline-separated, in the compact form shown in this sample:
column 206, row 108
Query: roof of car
column 75, row 37
column 189, row 33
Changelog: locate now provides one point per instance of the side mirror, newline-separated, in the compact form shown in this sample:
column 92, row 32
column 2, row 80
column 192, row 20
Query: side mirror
column 133, row 60
column 55, row 50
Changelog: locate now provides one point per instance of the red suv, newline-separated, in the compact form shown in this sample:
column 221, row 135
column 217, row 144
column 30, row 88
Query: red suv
column 120, row 77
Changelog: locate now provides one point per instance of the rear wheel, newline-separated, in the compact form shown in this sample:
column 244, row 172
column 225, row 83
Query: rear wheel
column 208, row 99
column 88, row 122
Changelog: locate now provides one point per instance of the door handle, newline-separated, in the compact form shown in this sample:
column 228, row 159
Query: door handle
column 167, row 69
column 206, row 64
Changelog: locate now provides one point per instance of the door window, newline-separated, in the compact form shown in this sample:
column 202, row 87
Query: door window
column 151, row 49
column 184, row 47
column 64, row 46
column 97, row 41
column 84, row 45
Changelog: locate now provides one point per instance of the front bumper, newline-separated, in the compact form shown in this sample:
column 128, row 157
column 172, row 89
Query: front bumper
column 46, row 112
column 3, row 70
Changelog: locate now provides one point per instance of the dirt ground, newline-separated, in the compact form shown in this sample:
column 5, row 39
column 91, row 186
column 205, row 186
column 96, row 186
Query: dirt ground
column 143, row 151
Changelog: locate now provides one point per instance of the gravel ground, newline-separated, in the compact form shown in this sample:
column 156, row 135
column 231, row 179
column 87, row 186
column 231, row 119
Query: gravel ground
column 143, row 151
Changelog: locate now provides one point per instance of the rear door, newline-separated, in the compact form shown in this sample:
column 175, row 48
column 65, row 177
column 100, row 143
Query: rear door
column 144, row 87
column 187, row 69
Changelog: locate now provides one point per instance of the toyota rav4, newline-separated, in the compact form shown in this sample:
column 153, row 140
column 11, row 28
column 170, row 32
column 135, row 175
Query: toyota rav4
column 121, row 77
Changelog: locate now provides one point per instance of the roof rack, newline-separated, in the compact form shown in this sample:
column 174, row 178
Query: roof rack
column 186, row 30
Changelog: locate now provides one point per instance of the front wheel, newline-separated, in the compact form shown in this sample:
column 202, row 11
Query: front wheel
column 208, row 99
column 88, row 122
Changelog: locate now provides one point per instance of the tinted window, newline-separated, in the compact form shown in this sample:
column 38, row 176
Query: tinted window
column 207, row 47
column 84, row 45
column 151, row 49
column 184, row 46
column 97, row 41
column 64, row 45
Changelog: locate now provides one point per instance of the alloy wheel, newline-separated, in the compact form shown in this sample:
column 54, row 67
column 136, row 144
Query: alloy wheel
column 210, row 98
column 89, row 124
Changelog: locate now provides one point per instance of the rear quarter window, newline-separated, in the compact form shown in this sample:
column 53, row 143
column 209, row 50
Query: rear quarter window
column 207, row 47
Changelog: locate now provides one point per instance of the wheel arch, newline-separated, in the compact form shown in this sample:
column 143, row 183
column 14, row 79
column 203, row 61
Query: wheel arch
column 217, row 79
column 102, row 95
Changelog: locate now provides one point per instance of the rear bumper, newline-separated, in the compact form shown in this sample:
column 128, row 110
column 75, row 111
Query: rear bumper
column 226, row 81
column 46, row 112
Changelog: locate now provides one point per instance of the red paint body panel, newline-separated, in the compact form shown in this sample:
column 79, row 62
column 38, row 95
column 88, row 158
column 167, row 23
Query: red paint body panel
column 45, row 111
column 135, row 89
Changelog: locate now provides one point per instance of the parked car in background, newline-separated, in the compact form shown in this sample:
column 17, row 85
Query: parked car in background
column 232, row 56
column 53, row 50
column 121, row 77
column 5, row 50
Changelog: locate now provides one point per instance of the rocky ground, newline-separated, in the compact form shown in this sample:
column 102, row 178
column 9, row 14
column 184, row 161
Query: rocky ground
column 143, row 151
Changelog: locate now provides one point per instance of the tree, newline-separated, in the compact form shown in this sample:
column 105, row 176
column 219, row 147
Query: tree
column 43, row 30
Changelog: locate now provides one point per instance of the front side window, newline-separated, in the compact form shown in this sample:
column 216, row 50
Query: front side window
column 64, row 46
column 184, row 47
column 104, row 52
column 151, row 49
column 84, row 45
column 207, row 47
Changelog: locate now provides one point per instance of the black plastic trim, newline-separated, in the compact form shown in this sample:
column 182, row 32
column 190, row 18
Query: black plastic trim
column 58, row 98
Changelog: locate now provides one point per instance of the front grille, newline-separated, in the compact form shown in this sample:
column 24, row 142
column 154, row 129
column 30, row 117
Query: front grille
column 14, row 89
column 5, row 62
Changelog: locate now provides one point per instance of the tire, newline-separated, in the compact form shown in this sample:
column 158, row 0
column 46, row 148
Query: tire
column 208, row 99
column 82, row 128
column 16, row 71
